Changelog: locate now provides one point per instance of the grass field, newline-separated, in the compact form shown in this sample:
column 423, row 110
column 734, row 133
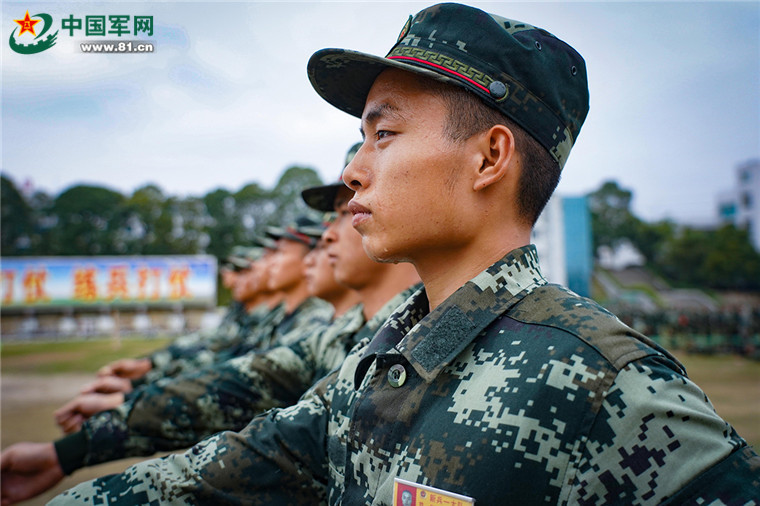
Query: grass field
column 37, row 378
column 71, row 356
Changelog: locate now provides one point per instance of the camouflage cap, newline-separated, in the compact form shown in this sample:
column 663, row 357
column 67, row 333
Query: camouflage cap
column 264, row 242
column 240, row 257
column 322, row 198
column 525, row 72
column 255, row 253
column 304, row 230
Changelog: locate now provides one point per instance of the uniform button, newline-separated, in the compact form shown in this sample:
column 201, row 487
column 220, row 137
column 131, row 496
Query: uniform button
column 396, row 375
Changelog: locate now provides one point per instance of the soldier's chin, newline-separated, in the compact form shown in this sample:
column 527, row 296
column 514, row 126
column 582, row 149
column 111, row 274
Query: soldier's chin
column 381, row 254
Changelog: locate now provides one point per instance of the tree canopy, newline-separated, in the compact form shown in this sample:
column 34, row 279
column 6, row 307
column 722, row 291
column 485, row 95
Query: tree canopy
column 716, row 258
column 93, row 220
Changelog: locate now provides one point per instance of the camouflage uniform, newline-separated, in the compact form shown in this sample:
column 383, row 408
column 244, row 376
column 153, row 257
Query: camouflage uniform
column 258, row 333
column 176, row 413
column 511, row 391
column 309, row 315
column 261, row 329
column 198, row 349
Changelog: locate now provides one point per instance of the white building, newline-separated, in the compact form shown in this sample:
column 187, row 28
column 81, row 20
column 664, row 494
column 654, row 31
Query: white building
column 741, row 205
column 549, row 237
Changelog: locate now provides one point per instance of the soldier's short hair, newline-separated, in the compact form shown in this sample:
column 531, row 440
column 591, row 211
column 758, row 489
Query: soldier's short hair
column 469, row 115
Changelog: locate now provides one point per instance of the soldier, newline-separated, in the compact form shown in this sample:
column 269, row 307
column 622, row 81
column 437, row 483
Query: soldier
column 321, row 282
column 490, row 385
column 235, row 263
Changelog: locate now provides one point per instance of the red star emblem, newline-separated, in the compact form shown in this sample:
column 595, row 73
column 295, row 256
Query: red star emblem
column 27, row 24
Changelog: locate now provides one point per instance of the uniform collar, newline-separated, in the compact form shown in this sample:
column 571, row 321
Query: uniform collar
column 351, row 321
column 431, row 340
column 382, row 315
column 311, row 308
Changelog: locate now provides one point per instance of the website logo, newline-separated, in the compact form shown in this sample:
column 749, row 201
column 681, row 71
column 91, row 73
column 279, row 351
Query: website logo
column 31, row 33
column 29, row 27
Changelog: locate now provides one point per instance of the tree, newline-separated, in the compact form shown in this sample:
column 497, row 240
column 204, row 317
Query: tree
column 143, row 209
column 710, row 259
column 224, row 230
column 721, row 259
column 611, row 217
column 92, row 220
column 683, row 255
column 190, row 221
column 650, row 237
column 286, row 196
column 16, row 220
column 236, row 217
column 731, row 262
column 88, row 219
column 254, row 209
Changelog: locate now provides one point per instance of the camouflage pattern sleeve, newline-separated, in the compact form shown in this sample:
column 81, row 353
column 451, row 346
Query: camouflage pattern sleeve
column 232, row 318
column 276, row 329
column 236, row 320
column 227, row 342
column 735, row 480
column 310, row 314
column 642, row 448
column 160, row 359
column 235, row 323
column 279, row 458
column 178, row 412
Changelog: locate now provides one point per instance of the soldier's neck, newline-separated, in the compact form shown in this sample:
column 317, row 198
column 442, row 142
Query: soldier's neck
column 271, row 299
column 395, row 279
column 294, row 296
column 343, row 300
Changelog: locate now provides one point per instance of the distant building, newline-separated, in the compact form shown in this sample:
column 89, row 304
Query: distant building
column 741, row 205
column 624, row 254
column 562, row 237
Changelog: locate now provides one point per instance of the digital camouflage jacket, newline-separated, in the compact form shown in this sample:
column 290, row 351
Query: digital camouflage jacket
column 202, row 348
column 218, row 337
column 512, row 391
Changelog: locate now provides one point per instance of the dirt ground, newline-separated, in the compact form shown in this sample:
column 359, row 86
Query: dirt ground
column 28, row 402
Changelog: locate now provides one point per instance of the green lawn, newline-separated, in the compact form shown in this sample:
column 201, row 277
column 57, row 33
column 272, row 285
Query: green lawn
column 71, row 356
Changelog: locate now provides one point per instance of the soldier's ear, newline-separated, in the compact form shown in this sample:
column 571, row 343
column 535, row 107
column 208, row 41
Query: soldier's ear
column 497, row 148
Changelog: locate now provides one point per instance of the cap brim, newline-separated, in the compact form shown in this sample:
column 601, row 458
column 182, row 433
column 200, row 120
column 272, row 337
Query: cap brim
column 278, row 233
column 265, row 242
column 274, row 233
column 344, row 77
column 322, row 198
column 239, row 263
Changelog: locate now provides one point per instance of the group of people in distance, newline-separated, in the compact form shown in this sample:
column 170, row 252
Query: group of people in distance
column 409, row 349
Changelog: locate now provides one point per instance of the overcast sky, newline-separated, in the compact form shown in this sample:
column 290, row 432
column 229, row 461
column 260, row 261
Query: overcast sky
column 224, row 100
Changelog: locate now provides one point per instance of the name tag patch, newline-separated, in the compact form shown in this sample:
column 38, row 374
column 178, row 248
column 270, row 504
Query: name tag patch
column 406, row 493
